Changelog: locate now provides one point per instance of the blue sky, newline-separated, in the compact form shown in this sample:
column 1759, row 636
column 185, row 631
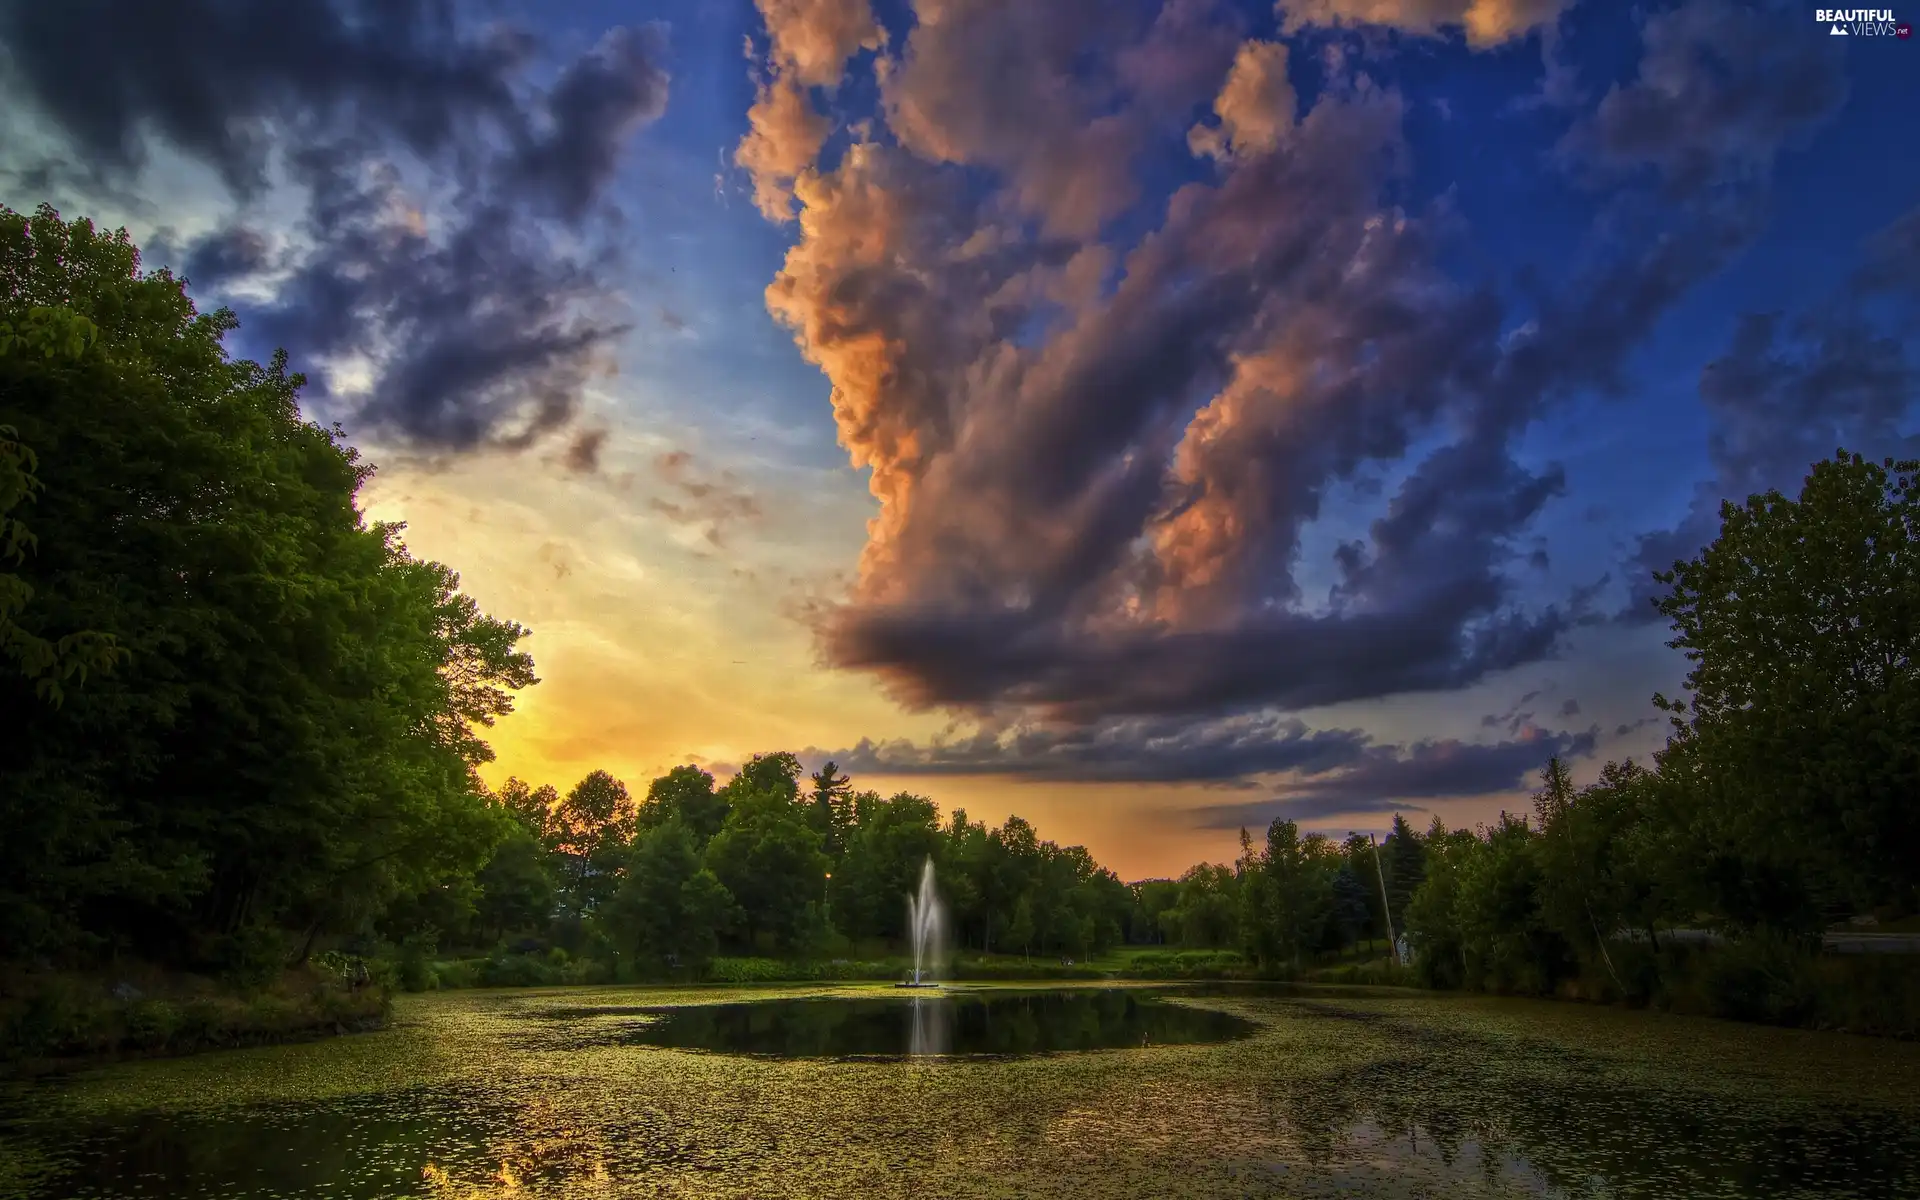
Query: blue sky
column 1420, row 487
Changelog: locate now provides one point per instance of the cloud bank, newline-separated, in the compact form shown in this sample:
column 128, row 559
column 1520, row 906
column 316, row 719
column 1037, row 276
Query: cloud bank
column 435, row 169
column 1095, row 450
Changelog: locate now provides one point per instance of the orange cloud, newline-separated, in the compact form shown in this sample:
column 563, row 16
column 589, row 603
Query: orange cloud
column 1486, row 22
column 784, row 136
column 810, row 43
column 1255, row 107
column 813, row 39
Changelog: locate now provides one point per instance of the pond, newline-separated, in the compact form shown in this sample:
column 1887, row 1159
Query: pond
column 995, row 1023
column 805, row 1092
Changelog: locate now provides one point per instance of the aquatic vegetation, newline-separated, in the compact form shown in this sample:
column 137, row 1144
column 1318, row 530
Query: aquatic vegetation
column 1339, row 1092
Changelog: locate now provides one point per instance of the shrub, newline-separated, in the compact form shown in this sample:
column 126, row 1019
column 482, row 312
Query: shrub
column 1761, row 977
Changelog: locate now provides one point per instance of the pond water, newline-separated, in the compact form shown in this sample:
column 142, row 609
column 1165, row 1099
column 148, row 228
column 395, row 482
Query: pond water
column 992, row 1023
column 806, row 1092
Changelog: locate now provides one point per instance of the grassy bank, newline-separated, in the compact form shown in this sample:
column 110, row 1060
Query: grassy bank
column 1766, row 982
column 56, row 1020
column 555, row 968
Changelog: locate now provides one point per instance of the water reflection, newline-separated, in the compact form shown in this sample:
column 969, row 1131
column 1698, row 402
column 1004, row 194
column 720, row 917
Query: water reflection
column 932, row 1026
column 996, row 1023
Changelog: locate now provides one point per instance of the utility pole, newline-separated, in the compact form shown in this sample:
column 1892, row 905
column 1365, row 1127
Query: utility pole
column 1385, row 908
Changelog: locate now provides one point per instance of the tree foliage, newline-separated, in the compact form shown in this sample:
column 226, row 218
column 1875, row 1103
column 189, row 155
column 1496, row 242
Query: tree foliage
column 285, row 738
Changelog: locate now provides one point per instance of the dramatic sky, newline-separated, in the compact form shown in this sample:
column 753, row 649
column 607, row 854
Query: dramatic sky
column 1147, row 416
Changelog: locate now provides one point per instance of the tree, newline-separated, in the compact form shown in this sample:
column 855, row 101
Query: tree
column 1406, row 863
column 1206, row 915
column 1020, row 926
column 287, row 741
column 769, row 774
column 48, row 663
column 832, row 807
column 669, row 910
column 769, row 859
column 532, row 808
column 516, row 888
column 685, row 794
column 1508, row 945
column 591, row 829
column 881, row 868
column 1800, row 731
column 1601, row 867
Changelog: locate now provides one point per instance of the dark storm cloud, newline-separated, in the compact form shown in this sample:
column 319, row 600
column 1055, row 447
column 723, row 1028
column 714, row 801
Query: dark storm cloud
column 479, row 329
column 1394, row 777
column 235, row 252
column 225, row 79
column 1721, row 87
column 1063, row 537
column 1132, row 750
column 595, row 106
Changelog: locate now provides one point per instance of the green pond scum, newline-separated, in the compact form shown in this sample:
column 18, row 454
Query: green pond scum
column 1314, row 1092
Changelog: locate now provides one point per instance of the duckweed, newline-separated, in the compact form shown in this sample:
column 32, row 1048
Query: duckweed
column 1338, row 1092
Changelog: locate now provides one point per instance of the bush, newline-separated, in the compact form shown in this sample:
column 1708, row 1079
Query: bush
column 775, row 970
column 54, row 1017
column 1869, row 993
column 456, row 974
column 1188, row 964
column 1383, row 972
column 1761, row 977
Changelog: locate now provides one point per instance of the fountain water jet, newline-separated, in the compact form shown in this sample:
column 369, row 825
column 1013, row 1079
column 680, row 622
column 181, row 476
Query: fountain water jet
column 927, row 925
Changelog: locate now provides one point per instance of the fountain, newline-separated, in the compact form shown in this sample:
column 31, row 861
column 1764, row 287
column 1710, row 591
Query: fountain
column 926, row 924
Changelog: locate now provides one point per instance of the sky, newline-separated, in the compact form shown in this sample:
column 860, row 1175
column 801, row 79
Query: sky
column 1150, row 417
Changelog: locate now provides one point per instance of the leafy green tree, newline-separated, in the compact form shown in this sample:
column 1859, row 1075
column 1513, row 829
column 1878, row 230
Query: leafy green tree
column 769, row 858
column 669, row 910
column 48, row 663
column 769, row 774
column 1600, row 868
column 1509, row 945
column 1207, row 913
column 287, row 743
column 592, row 829
column 685, row 794
column 1348, row 912
column 516, row 888
column 1800, row 731
column 1147, row 921
column 1020, row 926
column 885, row 854
column 531, row 807
column 1432, row 921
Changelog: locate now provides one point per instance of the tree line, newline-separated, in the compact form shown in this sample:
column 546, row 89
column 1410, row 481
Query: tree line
column 773, row 861
column 243, row 723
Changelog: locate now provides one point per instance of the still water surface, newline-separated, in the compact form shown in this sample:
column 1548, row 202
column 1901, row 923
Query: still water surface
column 807, row 1092
column 994, row 1023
